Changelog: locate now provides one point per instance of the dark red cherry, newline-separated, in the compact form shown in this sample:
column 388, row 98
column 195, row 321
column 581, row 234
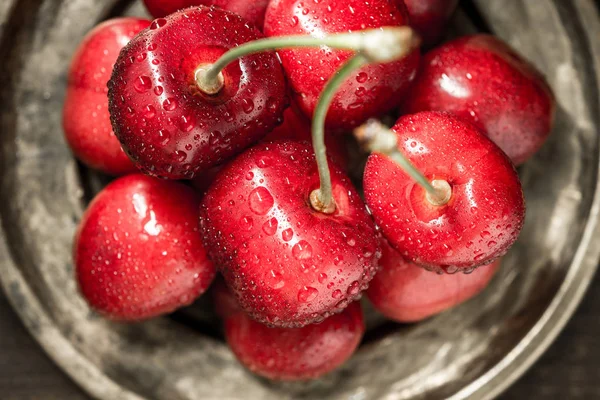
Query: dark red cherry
column 287, row 264
column 429, row 17
column 252, row 10
column 482, row 80
column 166, row 124
column 484, row 214
column 405, row 292
column 85, row 113
column 372, row 90
column 138, row 253
column 297, row 127
column 292, row 354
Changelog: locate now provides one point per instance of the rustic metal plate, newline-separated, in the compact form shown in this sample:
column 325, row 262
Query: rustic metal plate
column 474, row 351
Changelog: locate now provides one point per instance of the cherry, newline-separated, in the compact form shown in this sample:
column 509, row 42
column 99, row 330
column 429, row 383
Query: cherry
column 429, row 17
column 297, row 127
column 167, row 123
column 86, row 120
column 292, row 354
column 483, row 80
column 251, row 10
column 138, row 253
column 373, row 90
column 476, row 209
column 288, row 264
column 405, row 292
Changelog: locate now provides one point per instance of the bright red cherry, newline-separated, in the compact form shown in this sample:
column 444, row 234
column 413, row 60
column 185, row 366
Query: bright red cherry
column 372, row 90
column 138, row 253
column 429, row 17
column 481, row 79
column 252, row 10
column 85, row 114
column 171, row 128
column 405, row 292
column 481, row 218
column 287, row 264
column 292, row 354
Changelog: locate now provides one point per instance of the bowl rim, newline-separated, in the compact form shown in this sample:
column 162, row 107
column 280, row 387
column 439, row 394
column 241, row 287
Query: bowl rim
column 492, row 383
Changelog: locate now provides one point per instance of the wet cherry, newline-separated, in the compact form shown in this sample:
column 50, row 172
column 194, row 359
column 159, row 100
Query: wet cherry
column 481, row 79
column 373, row 89
column 287, row 264
column 251, row 10
column 85, row 114
column 405, row 292
column 138, row 253
column 292, row 354
column 429, row 17
column 165, row 122
column 483, row 213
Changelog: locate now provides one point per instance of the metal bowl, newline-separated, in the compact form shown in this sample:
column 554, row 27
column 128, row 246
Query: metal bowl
column 474, row 351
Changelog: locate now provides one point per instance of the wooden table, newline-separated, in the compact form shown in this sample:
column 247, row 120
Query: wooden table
column 570, row 370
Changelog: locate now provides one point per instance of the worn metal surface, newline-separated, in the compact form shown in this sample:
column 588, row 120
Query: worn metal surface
column 475, row 350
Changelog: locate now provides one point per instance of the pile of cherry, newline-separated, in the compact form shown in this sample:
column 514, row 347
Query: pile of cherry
column 244, row 193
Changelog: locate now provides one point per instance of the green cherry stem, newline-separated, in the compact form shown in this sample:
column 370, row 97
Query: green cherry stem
column 376, row 45
column 376, row 137
column 321, row 199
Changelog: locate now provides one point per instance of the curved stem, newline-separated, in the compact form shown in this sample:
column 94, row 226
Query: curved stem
column 377, row 45
column 376, row 137
column 324, row 195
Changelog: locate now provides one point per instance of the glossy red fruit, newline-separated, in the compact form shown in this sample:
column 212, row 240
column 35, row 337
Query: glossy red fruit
column 252, row 10
column 371, row 91
column 292, row 354
column 481, row 79
column 85, row 113
column 405, row 292
column 429, row 17
column 297, row 127
column 138, row 253
column 486, row 210
column 165, row 123
column 287, row 264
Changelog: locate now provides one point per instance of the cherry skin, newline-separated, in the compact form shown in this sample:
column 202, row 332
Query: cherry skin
column 292, row 354
column 165, row 123
column 251, row 10
column 86, row 120
column 405, row 292
column 287, row 264
column 372, row 90
column 486, row 209
column 138, row 253
column 429, row 17
column 481, row 79
column 297, row 127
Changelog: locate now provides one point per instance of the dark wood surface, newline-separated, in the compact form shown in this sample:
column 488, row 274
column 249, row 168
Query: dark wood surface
column 570, row 370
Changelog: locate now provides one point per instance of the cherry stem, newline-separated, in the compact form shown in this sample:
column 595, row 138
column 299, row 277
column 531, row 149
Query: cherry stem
column 322, row 198
column 376, row 45
column 376, row 137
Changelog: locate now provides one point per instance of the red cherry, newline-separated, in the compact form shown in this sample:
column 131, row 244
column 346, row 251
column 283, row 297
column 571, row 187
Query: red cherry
column 287, row 264
column 405, row 292
column 252, row 10
column 486, row 209
column 166, row 124
column 138, row 253
column 481, row 79
column 429, row 17
column 371, row 91
column 297, row 127
column 292, row 354
column 85, row 114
